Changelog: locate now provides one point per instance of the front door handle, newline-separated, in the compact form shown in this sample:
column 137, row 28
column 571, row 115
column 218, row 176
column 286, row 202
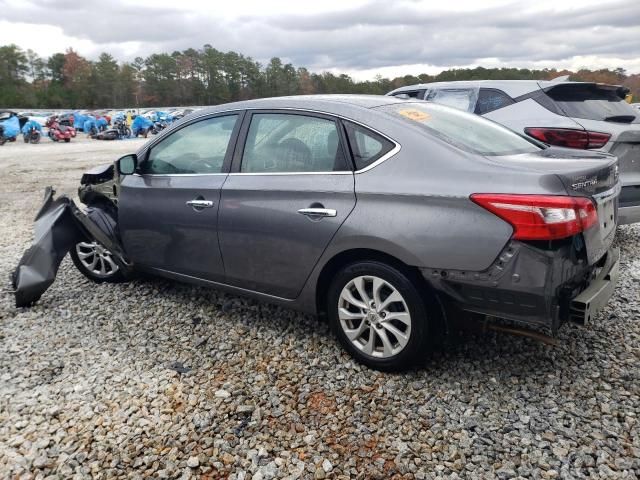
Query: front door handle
column 200, row 204
column 318, row 212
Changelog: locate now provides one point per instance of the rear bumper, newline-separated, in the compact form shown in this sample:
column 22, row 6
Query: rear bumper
column 532, row 286
column 599, row 291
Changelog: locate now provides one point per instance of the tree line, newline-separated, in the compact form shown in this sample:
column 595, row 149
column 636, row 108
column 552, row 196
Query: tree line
column 207, row 76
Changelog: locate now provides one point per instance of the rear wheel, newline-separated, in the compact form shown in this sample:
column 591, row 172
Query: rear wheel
column 378, row 315
column 67, row 140
column 96, row 262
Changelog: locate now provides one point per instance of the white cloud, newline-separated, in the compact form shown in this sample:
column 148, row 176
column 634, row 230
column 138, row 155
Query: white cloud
column 360, row 37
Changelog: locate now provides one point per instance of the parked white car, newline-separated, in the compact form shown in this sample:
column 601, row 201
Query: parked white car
column 558, row 112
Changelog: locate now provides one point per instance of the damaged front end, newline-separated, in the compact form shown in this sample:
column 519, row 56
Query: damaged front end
column 60, row 225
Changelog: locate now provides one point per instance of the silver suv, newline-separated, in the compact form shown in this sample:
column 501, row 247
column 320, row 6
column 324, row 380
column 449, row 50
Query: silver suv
column 557, row 112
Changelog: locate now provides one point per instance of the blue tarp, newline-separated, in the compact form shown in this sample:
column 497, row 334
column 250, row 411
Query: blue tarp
column 161, row 115
column 101, row 122
column 140, row 123
column 29, row 125
column 78, row 120
column 11, row 127
column 89, row 122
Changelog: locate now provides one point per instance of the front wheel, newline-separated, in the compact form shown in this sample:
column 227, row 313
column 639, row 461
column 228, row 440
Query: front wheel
column 96, row 262
column 378, row 315
column 35, row 138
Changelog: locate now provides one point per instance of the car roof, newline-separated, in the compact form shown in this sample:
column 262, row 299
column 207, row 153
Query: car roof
column 514, row 88
column 335, row 104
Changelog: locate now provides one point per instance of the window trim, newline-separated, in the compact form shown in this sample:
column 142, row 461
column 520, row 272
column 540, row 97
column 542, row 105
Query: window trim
column 239, row 149
column 226, row 164
column 239, row 140
column 244, row 132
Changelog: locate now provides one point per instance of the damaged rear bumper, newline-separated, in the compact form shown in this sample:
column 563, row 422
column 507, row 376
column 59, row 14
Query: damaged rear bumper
column 59, row 226
column 532, row 286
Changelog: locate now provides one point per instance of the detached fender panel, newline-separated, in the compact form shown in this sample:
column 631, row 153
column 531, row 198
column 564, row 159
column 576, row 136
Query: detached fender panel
column 56, row 232
column 59, row 225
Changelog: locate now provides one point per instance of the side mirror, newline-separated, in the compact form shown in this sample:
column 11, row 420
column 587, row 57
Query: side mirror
column 127, row 165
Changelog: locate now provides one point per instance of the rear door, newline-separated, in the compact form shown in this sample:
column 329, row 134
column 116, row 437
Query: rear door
column 290, row 189
column 168, row 210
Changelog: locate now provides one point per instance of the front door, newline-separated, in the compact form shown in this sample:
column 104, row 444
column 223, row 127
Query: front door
column 291, row 188
column 168, row 210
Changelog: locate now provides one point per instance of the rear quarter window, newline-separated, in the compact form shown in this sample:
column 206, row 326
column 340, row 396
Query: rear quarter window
column 367, row 147
column 490, row 99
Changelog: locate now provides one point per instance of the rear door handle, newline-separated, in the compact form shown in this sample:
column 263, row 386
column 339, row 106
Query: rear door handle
column 318, row 212
column 199, row 204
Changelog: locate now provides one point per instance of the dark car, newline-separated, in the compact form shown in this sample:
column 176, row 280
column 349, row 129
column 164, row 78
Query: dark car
column 390, row 217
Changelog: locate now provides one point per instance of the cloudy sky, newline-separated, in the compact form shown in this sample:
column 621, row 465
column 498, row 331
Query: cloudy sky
column 360, row 37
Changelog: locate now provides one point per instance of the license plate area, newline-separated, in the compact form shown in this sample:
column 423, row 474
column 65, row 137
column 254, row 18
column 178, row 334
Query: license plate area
column 599, row 238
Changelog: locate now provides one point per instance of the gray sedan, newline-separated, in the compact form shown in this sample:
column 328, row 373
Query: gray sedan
column 393, row 218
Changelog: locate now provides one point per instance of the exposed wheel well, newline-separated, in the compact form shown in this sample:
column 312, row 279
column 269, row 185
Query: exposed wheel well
column 433, row 303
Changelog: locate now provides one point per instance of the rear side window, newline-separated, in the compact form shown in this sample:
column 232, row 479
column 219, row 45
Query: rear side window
column 490, row 99
column 465, row 130
column 593, row 102
column 367, row 147
column 460, row 98
column 291, row 143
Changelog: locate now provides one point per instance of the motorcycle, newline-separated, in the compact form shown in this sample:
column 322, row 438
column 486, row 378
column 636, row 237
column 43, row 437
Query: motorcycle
column 58, row 132
column 31, row 132
column 120, row 125
column 158, row 126
column 9, row 129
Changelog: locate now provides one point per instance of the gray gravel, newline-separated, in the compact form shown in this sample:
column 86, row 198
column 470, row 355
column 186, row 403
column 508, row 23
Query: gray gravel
column 158, row 379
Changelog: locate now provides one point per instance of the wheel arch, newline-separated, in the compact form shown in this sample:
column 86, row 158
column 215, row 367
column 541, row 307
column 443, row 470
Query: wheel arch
column 430, row 296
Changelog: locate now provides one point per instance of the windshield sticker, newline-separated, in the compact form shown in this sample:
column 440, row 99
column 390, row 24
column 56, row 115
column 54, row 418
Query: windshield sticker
column 415, row 115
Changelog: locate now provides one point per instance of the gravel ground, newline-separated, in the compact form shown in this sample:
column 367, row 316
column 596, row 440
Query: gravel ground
column 158, row 379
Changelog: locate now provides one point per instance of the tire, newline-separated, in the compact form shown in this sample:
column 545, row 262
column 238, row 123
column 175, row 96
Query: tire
column 35, row 138
column 3, row 140
column 26, row 138
column 67, row 140
column 83, row 254
column 405, row 335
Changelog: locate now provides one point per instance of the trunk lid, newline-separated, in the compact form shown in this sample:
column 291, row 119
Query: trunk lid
column 583, row 174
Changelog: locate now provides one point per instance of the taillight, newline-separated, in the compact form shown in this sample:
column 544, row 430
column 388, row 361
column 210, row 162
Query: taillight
column 568, row 137
column 540, row 217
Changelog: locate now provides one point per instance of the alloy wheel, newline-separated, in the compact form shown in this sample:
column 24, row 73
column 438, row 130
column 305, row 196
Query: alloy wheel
column 96, row 259
column 374, row 316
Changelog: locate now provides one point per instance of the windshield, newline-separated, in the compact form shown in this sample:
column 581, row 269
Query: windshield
column 593, row 102
column 464, row 130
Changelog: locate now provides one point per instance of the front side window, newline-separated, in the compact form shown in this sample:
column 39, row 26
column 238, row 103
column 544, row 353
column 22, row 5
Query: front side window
column 291, row 143
column 199, row 148
column 465, row 130
column 366, row 146
column 460, row 98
